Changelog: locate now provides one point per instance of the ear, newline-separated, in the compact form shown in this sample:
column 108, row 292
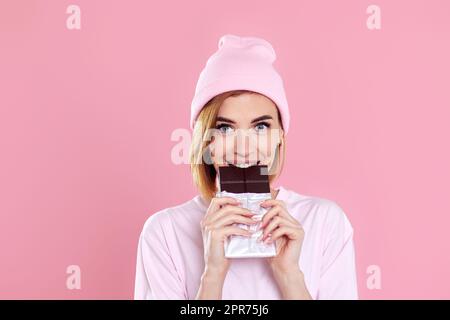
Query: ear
column 210, row 146
column 208, row 155
column 281, row 138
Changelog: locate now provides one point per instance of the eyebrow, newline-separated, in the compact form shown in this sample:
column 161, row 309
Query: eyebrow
column 264, row 117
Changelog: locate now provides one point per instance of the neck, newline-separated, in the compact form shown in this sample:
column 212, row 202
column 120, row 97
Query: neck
column 274, row 192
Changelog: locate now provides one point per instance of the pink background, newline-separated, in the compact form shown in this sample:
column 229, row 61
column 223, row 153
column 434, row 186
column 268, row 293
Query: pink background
column 86, row 118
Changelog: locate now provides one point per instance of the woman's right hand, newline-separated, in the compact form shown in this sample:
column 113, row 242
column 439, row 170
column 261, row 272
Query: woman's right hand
column 217, row 225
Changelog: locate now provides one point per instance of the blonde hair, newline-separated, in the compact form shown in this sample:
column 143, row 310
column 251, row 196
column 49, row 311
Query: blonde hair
column 204, row 174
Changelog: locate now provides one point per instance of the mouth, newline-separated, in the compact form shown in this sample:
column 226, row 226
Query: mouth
column 243, row 165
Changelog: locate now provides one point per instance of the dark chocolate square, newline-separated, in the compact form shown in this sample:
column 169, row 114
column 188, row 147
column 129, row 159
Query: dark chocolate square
column 253, row 179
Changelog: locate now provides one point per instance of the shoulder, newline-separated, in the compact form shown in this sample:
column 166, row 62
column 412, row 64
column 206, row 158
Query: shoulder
column 326, row 211
column 159, row 221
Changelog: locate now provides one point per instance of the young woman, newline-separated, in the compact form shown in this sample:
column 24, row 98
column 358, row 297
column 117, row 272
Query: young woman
column 240, row 97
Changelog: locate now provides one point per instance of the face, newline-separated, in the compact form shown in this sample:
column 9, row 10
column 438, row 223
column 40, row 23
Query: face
column 247, row 132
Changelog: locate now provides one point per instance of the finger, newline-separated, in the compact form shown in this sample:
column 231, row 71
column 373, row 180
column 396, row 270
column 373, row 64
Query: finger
column 276, row 222
column 273, row 202
column 269, row 215
column 223, row 233
column 217, row 202
column 277, row 209
column 230, row 219
column 293, row 233
column 229, row 210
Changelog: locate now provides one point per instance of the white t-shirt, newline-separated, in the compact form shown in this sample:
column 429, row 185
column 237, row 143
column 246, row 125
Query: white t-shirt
column 170, row 258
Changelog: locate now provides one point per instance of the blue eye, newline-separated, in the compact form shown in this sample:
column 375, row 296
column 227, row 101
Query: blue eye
column 262, row 126
column 224, row 128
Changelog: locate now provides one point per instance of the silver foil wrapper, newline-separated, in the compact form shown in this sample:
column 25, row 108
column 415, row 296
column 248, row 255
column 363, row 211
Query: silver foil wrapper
column 237, row 246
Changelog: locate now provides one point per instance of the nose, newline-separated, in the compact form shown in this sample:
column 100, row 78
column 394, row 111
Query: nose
column 245, row 148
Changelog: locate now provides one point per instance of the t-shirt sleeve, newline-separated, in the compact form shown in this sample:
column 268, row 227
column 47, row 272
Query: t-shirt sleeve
column 338, row 270
column 156, row 274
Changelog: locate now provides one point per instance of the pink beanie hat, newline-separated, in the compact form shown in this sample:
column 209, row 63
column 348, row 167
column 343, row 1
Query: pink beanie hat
column 241, row 63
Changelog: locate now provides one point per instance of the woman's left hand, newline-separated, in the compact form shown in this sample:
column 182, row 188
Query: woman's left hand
column 279, row 226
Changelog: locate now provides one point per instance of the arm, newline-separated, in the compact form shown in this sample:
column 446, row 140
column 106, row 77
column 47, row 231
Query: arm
column 156, row 274
column 292, row 284
column 211, row 285
column 338, row 271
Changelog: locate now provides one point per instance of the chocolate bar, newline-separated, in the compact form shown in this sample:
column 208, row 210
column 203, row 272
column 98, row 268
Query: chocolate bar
column 254, row 179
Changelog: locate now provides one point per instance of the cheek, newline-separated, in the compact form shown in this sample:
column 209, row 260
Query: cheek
column 266, row 147
column 220, row 148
